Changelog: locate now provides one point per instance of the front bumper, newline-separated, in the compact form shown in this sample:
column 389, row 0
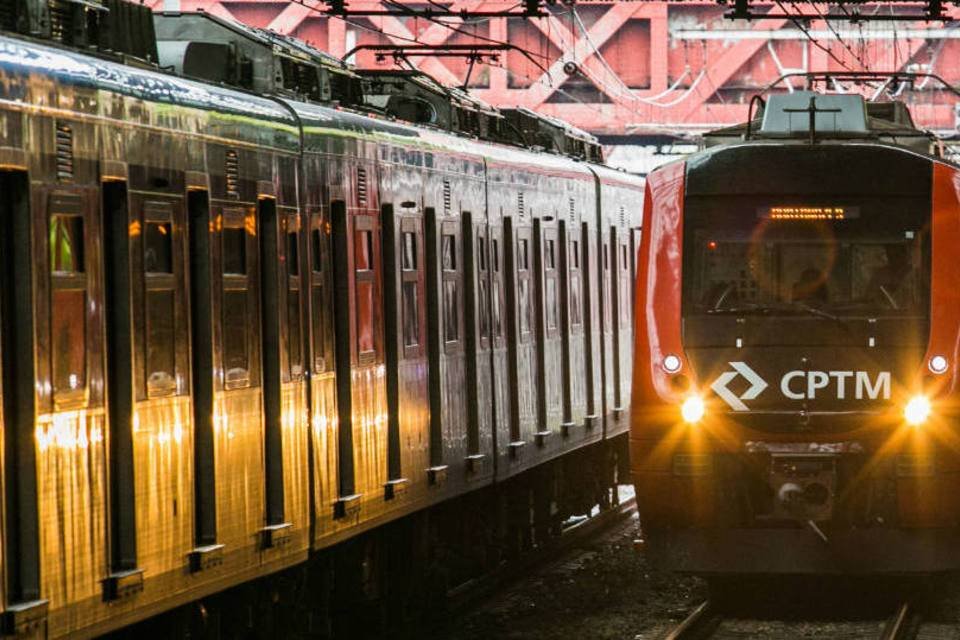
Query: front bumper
column 800, row 551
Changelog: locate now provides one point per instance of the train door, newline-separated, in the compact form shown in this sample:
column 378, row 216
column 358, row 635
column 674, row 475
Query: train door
column 284, row 393
column 593, row 360
column 502, row 424
column 405, row 340
column 228, row 420
column 548, row 365
column 149, row 381
column 361, row 390
column 573, row 367
column 614, row 276
column 476, row 260
column 607, row 256
column 521, row 325
column 444, row 257
column 322, row 363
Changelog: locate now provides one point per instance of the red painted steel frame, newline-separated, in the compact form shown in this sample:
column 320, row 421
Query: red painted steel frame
column 661, row 66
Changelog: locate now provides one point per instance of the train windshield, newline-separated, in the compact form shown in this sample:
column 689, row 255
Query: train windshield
column 853, row 258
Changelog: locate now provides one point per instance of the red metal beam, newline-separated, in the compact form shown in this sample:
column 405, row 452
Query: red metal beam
column 681, row 42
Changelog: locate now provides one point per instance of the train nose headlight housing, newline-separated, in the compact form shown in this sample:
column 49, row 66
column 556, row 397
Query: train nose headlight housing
column 917, row 410
column 692, row 409
column 938, row 364
column 671, row 363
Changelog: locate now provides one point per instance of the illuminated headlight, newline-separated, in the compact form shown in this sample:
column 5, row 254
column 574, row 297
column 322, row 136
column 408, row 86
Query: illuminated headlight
column 692, row 409
column 938, row 364
column 917, row 410
column 671, row 363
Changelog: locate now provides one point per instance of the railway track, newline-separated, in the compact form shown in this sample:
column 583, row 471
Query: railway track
column 708, row 622
column 470, row 593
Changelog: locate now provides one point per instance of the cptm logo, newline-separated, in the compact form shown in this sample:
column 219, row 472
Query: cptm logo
column 757, row 385
column 804, row 385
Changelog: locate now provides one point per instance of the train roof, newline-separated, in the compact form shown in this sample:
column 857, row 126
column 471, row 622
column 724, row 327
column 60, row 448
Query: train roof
column 837, row 117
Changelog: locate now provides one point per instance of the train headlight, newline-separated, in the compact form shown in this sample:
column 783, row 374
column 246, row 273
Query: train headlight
column 692, row 409
column 671, row 363
column 917, row 410
column 938, row 364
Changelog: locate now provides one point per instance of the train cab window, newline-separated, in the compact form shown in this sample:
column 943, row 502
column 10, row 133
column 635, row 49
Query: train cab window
column 410, row 289
column 237, row 310
column 294, row 331
column 68, row 305
column 451, row 287
column 318, row 295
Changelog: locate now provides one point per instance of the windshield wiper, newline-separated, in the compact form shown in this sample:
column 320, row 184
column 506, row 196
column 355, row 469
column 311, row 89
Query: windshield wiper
column 817, row 312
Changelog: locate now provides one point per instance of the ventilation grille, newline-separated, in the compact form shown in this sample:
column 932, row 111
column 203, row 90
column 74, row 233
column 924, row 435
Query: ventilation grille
column 64, row 153
column 520, row 203
column 623, row 217
column 573, row 209
column 362, row 185
column 446, row 196
column 232, row 173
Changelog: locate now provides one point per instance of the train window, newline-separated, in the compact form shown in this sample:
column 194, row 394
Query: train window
column 237, row 311
column 293, row 254
column 449, row 252
column 451, row 288
column 574, row 254
column 294, row 333
column 234, row 251
column 550, row 298
column 365, row 289
column 410, row 290
column 409, row 258
column 318, row 297
column 158, row 247
column 524, row 293
column 496, row 311
column 483, row 288
column 68, row 305
column 316, row 242
column 68, row 328
column 66, row 244
column 160, row 300
column 235, row 360
column 161, row 342
column 523, row 255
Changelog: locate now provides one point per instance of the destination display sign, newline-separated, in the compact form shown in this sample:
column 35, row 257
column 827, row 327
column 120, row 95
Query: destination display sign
column 808, row 212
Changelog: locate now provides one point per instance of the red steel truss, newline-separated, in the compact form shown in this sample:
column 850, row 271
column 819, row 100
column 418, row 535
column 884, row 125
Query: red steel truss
column 641, row 67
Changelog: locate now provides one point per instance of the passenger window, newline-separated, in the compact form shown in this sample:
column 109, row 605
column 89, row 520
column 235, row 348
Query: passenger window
column 410, row 290
column 234, row 251
column 318, row 296
column 294, row 332
column 160, row 300
column 365, row 289
column 68, row 305
column 524, row 294
column 451, row 289
column 576, row 285
column 496, row 311
column 483, row 288
column 237, row 312
column 550, row 301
